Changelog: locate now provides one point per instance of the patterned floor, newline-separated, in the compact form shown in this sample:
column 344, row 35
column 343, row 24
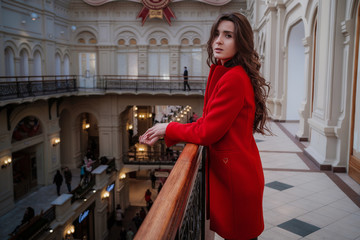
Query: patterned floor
column 301, row 202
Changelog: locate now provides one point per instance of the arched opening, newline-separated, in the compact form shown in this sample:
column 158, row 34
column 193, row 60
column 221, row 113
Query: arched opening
column 191, row 54
column 9, row 62
column 37, row 64
column 57, row 64
column 89, row 135
column 354, row 161
column 296, row 76
column 27, row 162
column 24, row 63
column 66, row 65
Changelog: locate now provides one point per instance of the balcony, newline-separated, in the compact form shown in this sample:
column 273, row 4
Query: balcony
column 179, row 210
column 16, row 88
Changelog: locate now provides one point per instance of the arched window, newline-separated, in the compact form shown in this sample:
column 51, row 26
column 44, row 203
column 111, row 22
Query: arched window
column 164, row 41
column 66, row 65
column 152, row 41
column 196, row 41
column 191, row 53
column 57, row 64
column 9, row 62
column 37, row 64
column 133, row 41
column 184, row 41
column 24, row 63
column 92, row 41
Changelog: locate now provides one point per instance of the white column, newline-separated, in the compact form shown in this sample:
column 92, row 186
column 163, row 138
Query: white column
column 330, row 117
column 271, row 38
column 303, row 131
column 143, row 55
column 280, row 62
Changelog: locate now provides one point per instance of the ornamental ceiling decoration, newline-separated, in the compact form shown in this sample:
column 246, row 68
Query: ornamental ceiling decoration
column 156, row 8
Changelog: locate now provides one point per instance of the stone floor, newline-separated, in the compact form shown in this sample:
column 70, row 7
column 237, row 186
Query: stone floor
column 300, row 202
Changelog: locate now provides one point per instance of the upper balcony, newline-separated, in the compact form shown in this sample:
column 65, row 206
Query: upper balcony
column 19, row 89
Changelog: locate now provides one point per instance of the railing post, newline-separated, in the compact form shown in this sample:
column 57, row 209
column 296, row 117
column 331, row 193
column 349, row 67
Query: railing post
column 17, row 87
column 43, row 84
column 75, row 83
column 203, row 193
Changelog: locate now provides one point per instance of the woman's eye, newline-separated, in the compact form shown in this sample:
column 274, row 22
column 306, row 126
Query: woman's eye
column 228, row 36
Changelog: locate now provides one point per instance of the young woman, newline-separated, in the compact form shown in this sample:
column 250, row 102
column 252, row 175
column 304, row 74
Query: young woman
column 234, row 108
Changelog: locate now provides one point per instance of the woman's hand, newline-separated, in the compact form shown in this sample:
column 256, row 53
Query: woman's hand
column 153, row 134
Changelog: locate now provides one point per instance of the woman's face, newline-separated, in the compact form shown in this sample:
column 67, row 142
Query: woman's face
column 224, row 42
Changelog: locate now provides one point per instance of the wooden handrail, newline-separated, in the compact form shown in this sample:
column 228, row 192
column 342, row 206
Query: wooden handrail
column 166, row 214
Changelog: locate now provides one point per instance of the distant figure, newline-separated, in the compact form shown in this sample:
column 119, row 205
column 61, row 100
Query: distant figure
column 160, row 187
column 194, row 117
column 28, row 215
column 186, row 83
column 119, row 215
column 149, row 204
column 122, row 234
column 68, row 178
column 148, row 195
column 142, row 214
column 137, row 221
column 58, row 179
column 130, row 234
column 153, row 179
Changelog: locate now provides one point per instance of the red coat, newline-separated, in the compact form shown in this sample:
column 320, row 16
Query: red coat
column 234, row 171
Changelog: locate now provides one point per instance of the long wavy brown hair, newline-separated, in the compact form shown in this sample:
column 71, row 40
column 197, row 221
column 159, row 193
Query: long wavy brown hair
column 248, row 58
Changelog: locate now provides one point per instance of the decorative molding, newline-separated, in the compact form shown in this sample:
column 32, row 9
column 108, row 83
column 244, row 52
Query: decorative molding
column 210, row 2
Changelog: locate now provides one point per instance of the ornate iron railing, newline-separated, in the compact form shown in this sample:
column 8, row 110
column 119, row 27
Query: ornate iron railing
column 13, row 87
column 149, row 157
column 32, row 86
column 179, row 210
column 150, row 83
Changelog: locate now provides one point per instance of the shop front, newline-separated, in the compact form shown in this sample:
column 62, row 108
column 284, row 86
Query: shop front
column 111, row 205
column 84, row 224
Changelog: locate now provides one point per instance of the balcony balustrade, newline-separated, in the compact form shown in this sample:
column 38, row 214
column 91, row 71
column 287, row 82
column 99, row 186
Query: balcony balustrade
column 178, row 211
column 15, row 87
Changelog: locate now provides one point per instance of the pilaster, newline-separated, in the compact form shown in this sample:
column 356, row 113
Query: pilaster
column 174, row 60
column 304, row 129
column 269, row 73
column 143, row 56
column 330, row 117
column 280, row 62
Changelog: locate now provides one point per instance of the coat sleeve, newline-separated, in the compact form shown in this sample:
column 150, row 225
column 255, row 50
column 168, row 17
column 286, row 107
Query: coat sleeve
column 222, row 110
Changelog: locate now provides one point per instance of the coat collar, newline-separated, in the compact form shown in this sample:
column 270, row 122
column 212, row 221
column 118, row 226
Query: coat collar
column 216, row 72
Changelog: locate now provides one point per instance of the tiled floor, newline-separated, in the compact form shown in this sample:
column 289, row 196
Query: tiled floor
column 300, row 202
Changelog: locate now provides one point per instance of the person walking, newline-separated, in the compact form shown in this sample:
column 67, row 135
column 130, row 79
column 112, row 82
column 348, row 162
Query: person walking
column 234, row 109
column 68, row 178
column 122, row 234
column 186, row 78
column 153, row 179
column 130, row 234
column 119, row 215
column 58, row 179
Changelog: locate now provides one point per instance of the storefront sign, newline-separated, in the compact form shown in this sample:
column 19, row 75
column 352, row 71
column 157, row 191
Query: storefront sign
column 110, row 187
column 161, row 174
column 83, row 215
